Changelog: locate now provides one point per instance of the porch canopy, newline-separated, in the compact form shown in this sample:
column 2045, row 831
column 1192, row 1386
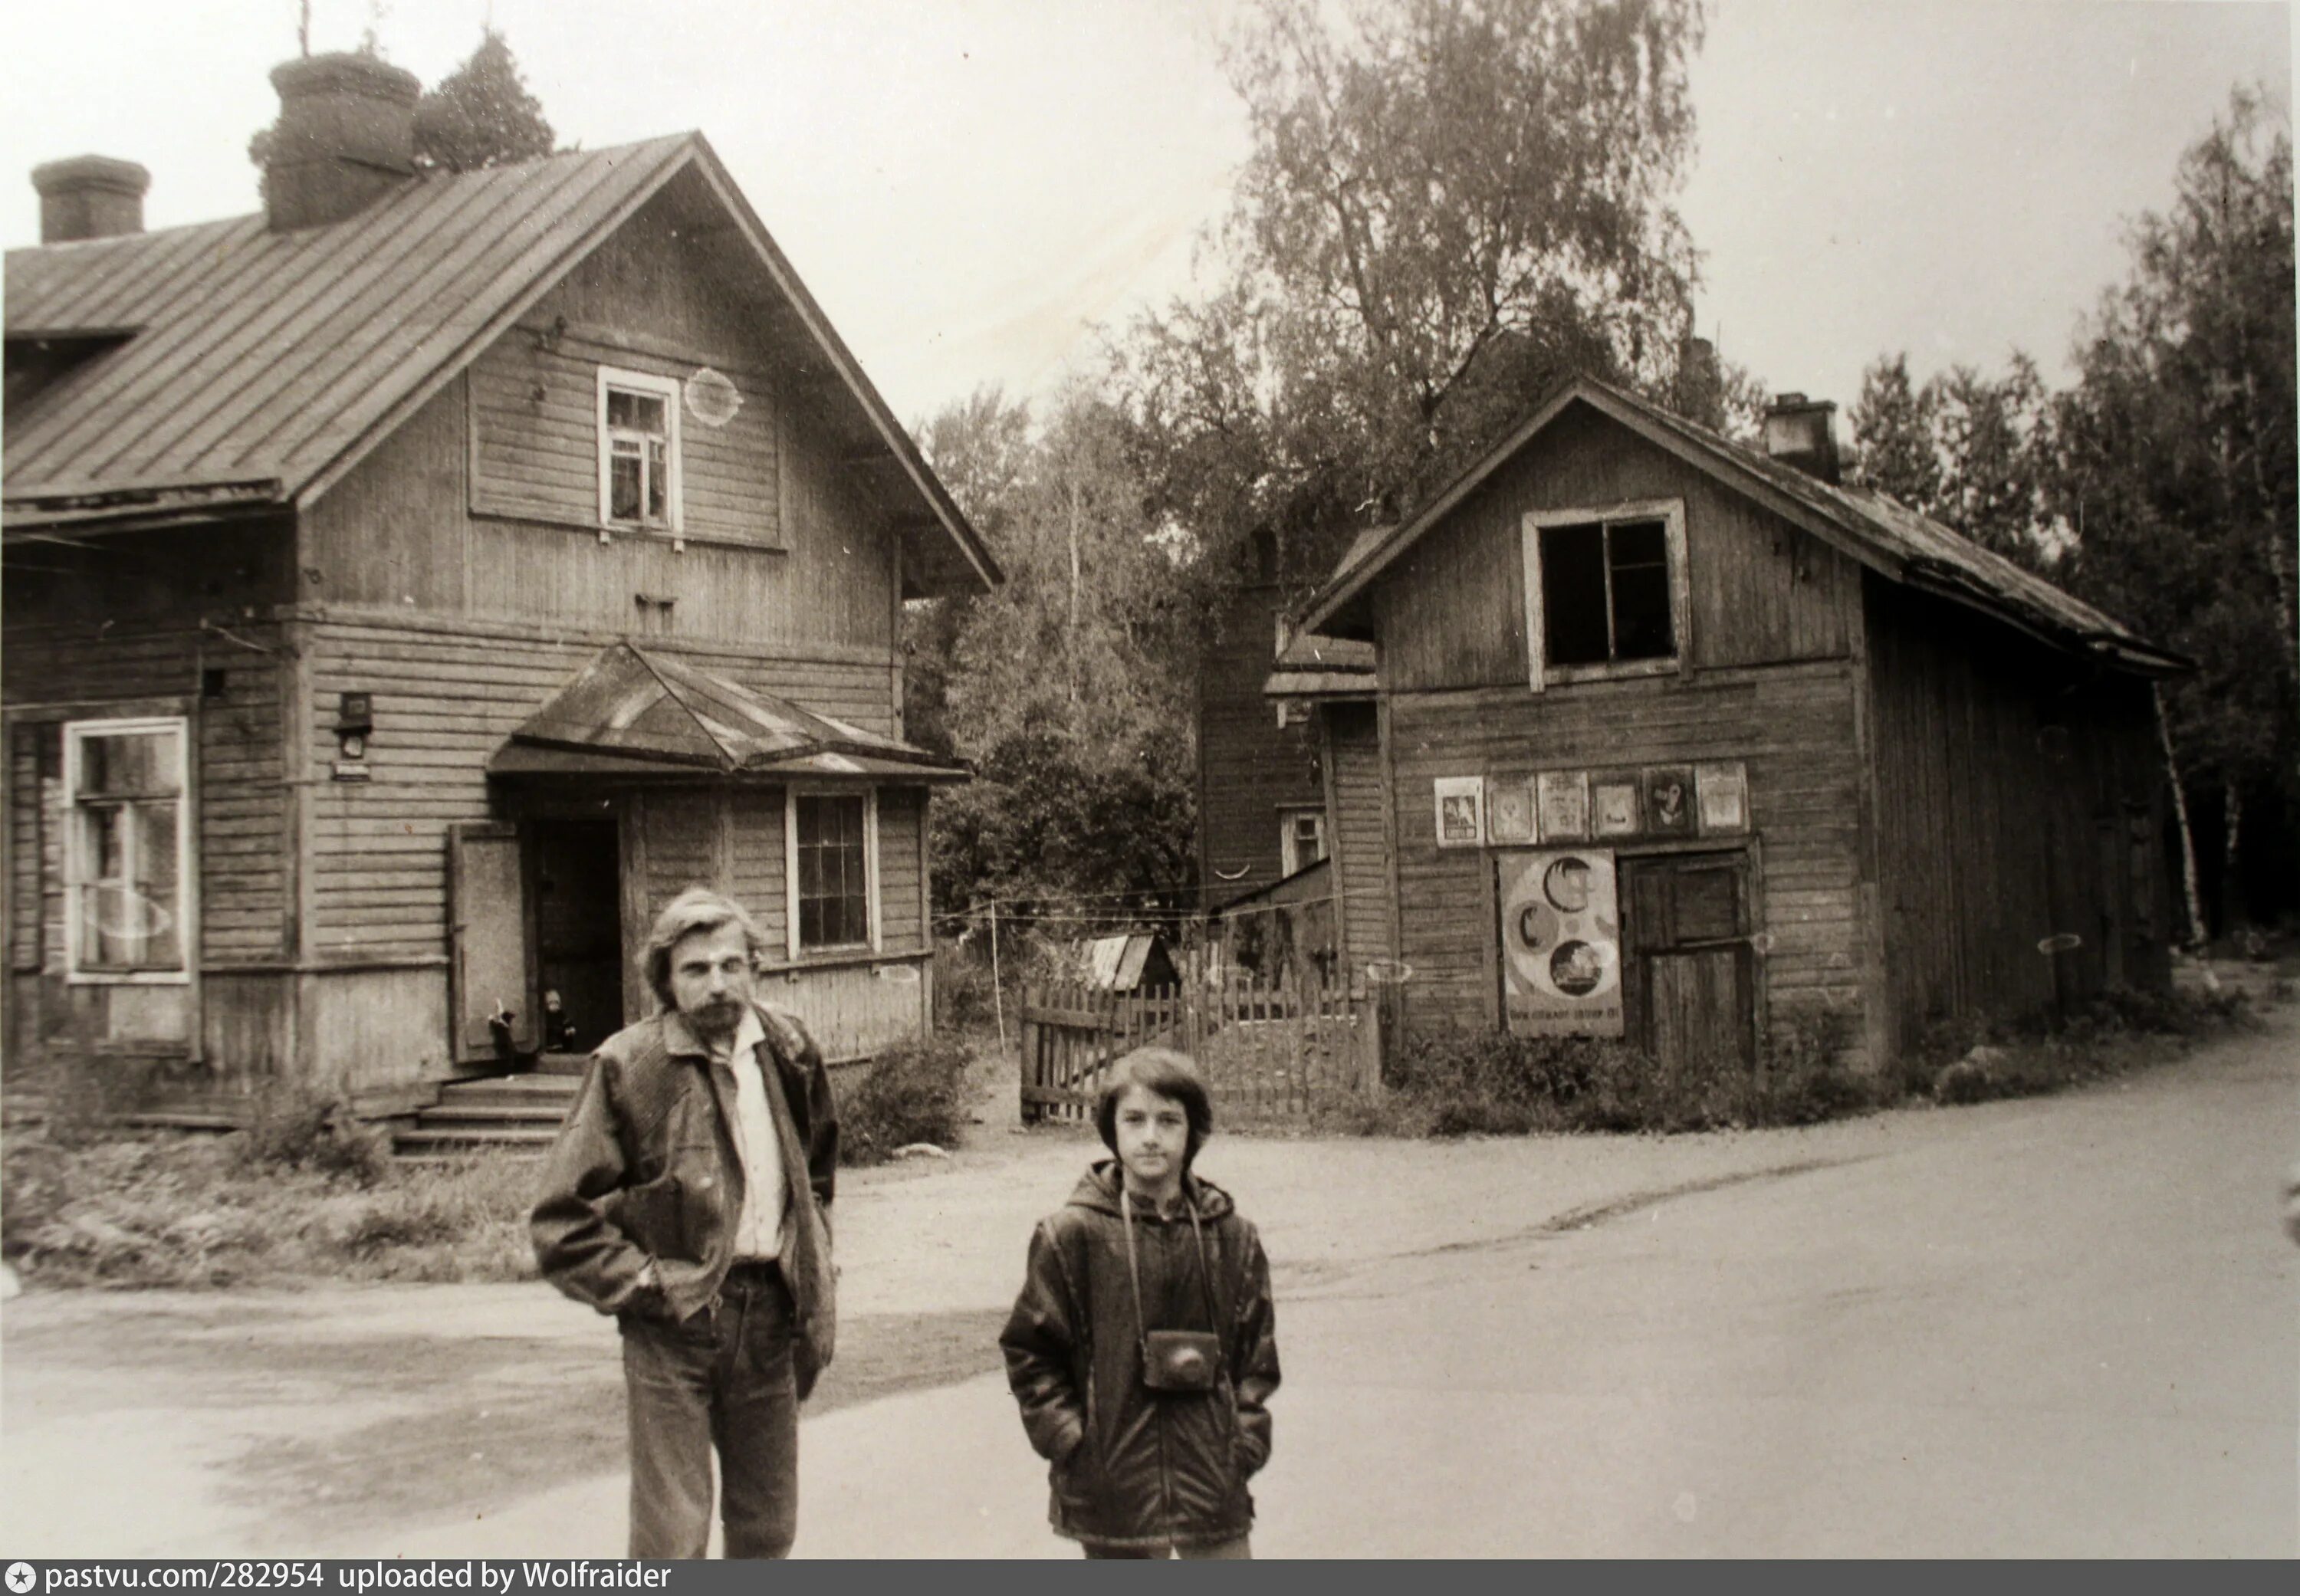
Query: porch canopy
column 635, row 712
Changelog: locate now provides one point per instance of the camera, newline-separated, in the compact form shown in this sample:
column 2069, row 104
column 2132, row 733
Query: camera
column 1180, row 1359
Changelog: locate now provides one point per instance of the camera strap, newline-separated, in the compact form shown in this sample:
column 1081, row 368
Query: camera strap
column 1134, row 1268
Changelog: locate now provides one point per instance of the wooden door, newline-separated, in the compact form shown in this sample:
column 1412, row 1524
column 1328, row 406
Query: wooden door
column 1690, row 976
column 492, row 968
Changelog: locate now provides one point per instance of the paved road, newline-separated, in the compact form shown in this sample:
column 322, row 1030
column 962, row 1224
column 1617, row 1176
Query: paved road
column 2066, row 1326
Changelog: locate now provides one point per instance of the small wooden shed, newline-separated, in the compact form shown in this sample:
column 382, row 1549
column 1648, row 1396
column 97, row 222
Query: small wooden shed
column 1677, row 740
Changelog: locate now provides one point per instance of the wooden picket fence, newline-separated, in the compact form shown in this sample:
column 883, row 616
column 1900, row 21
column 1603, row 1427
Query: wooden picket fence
column 1270, row 1055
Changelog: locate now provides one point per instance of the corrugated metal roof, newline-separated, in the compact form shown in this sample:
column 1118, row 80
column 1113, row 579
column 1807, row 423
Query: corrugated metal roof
column 1873, row 527
column 265, row 354
column 271, row 361
column 656, row 709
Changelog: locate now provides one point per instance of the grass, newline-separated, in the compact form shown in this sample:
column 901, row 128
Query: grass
column 200, row 1211
column 307, row 1189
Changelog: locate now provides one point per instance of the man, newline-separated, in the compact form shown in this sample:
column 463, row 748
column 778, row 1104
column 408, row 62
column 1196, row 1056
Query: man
column 687, row 1195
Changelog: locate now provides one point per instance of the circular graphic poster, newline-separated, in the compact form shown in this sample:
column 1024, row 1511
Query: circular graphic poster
column 1561, row 942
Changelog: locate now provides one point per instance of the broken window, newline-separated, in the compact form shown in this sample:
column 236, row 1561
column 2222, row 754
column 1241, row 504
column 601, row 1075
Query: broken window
column 1605, row 588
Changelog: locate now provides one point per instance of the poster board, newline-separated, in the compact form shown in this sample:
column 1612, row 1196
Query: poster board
column 1561, row 935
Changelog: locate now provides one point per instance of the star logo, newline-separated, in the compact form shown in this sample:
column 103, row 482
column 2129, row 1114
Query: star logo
column 21, row 1578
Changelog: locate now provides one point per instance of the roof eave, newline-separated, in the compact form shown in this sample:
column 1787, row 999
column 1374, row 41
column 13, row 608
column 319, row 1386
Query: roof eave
column 897, row 441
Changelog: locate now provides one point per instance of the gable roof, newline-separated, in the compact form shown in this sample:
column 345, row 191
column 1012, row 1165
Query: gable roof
column 1869, row 527
column 637, row 710
column 263, row 365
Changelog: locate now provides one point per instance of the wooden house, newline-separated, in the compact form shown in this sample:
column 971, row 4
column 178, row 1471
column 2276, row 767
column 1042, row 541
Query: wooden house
column 1262, row 802
column 411, row 587
column 1676, row 740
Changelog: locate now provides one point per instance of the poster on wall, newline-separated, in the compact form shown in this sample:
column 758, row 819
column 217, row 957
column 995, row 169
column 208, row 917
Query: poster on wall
column 1561, row 942
column 1460, row 810
column 1669, row 800
column 1509, row 810
column 1613, row 806
column 1724, row 798
column 1563, row 801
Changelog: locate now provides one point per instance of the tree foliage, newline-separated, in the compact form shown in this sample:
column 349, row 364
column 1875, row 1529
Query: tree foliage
column 2177, row 454
column 479, row 115
column 1069, row 686
column 2161, row 485
column 1971, row 451
column 1449, row 205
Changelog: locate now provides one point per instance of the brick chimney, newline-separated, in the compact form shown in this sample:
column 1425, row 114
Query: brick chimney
column 90, row 196
column 1801, row 432
column 346, row 137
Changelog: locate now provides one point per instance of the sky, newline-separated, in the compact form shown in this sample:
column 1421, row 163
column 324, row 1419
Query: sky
column 972, row 187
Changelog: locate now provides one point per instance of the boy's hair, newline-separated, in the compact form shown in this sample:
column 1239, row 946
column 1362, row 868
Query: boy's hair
column 1167, row 1073
column 698, row 908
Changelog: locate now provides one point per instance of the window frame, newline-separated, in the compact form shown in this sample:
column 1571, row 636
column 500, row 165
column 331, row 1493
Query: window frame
column 874, row 918
column 76, row 732
column 1289, row 852
column 671, row 391
column 1671, row 513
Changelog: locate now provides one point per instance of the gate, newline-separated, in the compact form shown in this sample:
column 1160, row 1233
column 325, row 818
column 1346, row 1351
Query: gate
column 1268, row 1055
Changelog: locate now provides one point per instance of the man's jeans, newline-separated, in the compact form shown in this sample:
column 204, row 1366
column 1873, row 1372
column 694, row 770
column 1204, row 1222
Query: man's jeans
column 722, row 1379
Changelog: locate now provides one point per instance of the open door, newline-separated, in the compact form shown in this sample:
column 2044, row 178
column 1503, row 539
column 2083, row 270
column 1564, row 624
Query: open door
column 490, row 964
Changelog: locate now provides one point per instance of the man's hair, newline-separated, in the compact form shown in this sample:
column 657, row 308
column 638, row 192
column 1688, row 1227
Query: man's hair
column 698, row 908
column 1167, row 1073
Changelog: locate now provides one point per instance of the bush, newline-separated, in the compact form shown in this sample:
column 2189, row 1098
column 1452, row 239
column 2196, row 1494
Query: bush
column 299, row 1130
column 912, row 1093
column 1977, row 1058
column 1447, row 1084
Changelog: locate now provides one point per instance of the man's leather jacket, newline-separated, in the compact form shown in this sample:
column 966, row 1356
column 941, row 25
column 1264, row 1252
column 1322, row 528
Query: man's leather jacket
column 645, row 1170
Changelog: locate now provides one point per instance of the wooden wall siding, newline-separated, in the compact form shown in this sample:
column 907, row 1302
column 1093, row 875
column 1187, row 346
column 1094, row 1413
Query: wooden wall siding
column 248, row 1026
column 759, row 874
column 856, row 1009
column 902, row 818
column 393, row 530
column 1792, row 725
column 376, row 1031
column 486, row 502
column 1248, row 766
column 535, row 436
column 1361, row 845
column 1451, row 613
column 1988, row 836
column 241, row 813
column 443, row 702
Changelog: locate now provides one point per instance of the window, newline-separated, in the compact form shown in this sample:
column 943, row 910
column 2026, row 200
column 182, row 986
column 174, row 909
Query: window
column 638, row 450
column 1605, row 592
column 834, row 870
column 127, row 843
column 1301, row 839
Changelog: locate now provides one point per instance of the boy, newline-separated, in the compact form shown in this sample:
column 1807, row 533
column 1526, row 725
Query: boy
column 1142, row 1348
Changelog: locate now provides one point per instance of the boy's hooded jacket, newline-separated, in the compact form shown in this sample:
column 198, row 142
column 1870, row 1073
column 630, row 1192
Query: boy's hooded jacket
column 1134, row 1467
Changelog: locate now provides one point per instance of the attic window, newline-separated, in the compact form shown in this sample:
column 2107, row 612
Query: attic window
column 1605, row 592
column 638, row 450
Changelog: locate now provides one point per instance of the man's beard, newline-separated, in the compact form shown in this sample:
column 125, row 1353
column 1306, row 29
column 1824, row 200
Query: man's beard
column 717, row 1019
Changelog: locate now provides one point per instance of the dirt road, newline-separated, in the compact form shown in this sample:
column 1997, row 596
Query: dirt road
column 2066, row 1325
